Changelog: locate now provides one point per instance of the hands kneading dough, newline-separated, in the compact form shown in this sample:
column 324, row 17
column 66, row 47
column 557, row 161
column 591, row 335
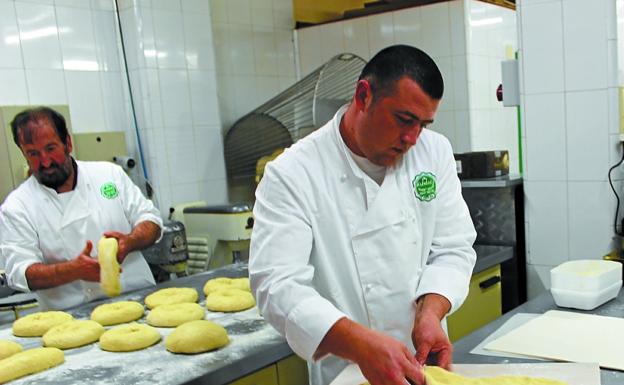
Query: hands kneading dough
column 73, row 334
column 435, row 375
column 117, row 313
column 130, row 337
column 29, row 362
column 197, row 337
column 37, row 324
column 175, row 314
column 8, row 348
column 171, row 295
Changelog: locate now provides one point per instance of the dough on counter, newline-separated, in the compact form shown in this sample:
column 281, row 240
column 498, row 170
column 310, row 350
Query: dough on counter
column 175, row 314
column 197, row 337
column 8, row 348
column 435, row 375
column 230, row 300
column 171, row 295
column 73, row 334
column 117, row 313
column 109, row 266
column 226, row 283
column 37, row 324
column 130, row 337
column 29, row 362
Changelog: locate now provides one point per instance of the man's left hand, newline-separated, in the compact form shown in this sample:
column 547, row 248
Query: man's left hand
column 428, row 336
column 125, row 244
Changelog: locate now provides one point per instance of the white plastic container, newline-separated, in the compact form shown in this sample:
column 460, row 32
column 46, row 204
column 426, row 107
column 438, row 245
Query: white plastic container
column 585, row 284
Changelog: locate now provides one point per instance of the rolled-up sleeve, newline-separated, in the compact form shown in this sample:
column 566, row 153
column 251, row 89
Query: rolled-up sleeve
column 452, row 258
column 19, row 245
column 136, row 206
column 279, row 269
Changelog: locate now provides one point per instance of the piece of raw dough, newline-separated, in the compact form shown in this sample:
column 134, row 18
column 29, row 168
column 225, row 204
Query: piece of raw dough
column 117, row 313
column 175, row 314
column 8, row 348
column 29, row 362
column 226, row 283
column 130, row 337
column 73, row 334
column 230, row 300
column 171, row 295
column 109, row 266
column 197, row 337
column 37, row 324
column 438, row 376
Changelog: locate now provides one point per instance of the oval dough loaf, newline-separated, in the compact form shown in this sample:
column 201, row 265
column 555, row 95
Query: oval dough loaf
column 130, row 337
column 230, row 300
column 37, row 324
column 175, row 314
column 73, row 334
column 29, row 362
column 215, row 284
column 8, row 348
column 197, row 337
column 171, row 295
column 117, row 313
column 437, row 376
column 109, row 266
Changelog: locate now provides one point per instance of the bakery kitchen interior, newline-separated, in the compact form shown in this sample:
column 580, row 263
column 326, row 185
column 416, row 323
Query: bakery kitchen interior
column 241, row 192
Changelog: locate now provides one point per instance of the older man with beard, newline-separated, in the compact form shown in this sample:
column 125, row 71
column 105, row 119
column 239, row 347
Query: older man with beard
column 49, row 223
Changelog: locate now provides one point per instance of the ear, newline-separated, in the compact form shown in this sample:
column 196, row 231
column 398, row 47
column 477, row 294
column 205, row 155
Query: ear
column 69, row 145
column 363, row 94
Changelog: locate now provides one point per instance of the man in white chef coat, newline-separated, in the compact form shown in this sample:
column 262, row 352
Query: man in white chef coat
column 362, row 242
column 51, row 222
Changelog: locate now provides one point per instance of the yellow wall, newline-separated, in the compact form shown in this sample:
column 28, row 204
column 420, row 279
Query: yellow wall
column 317, row 11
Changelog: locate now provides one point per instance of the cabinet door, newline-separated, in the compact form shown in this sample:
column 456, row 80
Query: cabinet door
column 482, row 305
column 292, row 371
column 266, row 376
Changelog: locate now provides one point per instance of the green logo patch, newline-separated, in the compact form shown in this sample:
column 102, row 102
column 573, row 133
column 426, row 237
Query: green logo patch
column 109, row 190
column 425, row 186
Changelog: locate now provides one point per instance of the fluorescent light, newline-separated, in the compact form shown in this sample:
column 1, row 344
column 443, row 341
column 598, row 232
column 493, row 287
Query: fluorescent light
column 487, row 21
column 81, row 65
column 154, row 53
column 35, row 34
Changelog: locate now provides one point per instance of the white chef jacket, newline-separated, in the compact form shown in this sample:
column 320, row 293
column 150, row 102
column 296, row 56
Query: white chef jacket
column 328, row 242
column 37, row 226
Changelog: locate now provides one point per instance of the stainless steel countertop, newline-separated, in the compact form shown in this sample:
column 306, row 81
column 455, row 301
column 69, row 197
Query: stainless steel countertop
column 541, row 304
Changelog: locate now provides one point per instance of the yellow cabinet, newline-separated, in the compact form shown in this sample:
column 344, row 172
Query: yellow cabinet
column 291, row 370
column 482, row 305
column 266, row 376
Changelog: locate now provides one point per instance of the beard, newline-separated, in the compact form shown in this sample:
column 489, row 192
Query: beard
column 55, row 175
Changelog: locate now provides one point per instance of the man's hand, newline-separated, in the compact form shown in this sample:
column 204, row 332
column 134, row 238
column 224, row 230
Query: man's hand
column 125, row 244
column 428, row 336
column 383, row 360
column 86, row 267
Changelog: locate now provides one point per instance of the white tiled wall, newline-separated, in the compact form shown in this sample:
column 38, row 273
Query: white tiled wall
column 569, row 90
column 254, row 53
column 171, row 61
column 467, row 40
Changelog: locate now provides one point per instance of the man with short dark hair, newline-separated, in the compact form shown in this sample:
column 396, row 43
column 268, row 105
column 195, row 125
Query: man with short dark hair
column 49, row 223
column 362, row 242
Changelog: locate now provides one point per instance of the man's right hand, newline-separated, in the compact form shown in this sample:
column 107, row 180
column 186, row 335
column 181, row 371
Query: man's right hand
column 382, row 359
column 86, row 267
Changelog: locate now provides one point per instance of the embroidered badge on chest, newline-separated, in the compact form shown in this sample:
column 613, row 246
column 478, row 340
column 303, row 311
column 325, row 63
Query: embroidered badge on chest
column 109, row 190
column 425, row 186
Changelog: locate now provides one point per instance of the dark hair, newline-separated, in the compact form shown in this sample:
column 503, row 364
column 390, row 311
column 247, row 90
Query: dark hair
column 393, row 63
column 22, row 119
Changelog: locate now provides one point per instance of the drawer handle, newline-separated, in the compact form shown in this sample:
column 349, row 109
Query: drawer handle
column 489, row 282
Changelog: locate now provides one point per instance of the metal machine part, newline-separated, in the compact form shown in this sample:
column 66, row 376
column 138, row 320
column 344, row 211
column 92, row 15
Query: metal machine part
column 168, row 257
column 226, row 230
column 288, row 117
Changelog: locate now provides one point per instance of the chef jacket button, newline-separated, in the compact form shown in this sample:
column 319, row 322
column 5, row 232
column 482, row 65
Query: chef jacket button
column 343, row 177
column 368, row 287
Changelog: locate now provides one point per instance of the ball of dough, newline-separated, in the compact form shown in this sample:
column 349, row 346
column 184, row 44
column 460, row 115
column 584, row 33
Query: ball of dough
column 73, row 334
column 197, row 337
column 171, row 295
column 175, row 314
column 215, row 284
column 8, row 348
column 37, row 324
column 130, row 337
column 117, row 312
column 230, row 300
column 29, row 362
